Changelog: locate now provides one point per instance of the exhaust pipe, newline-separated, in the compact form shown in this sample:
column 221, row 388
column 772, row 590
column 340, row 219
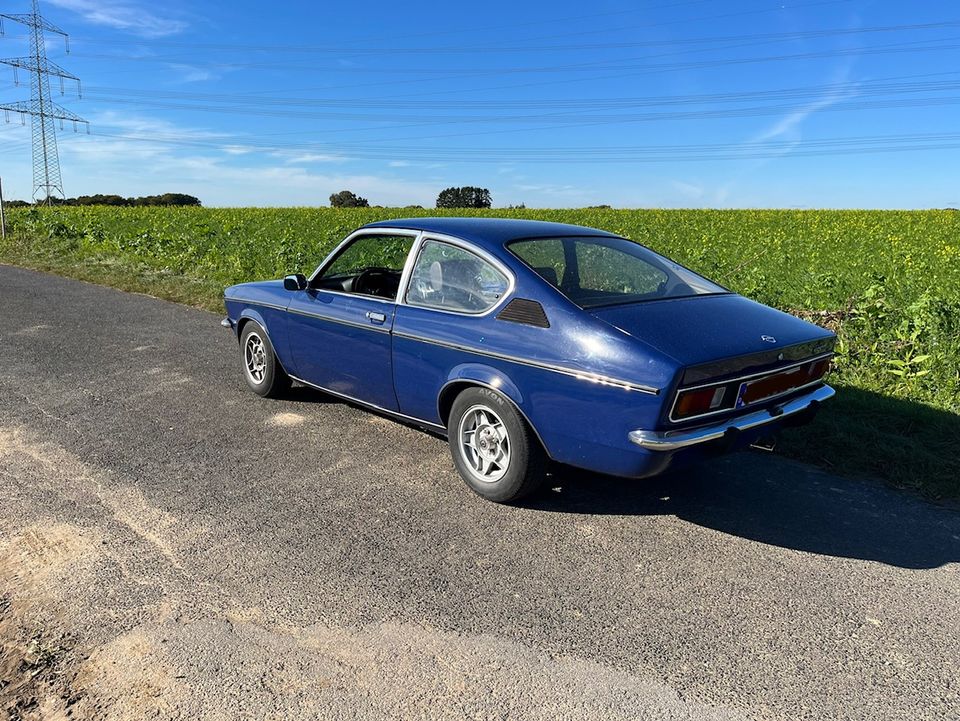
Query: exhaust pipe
column 767, row 443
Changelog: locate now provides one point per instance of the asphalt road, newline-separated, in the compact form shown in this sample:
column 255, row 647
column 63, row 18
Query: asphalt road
column 198, row 552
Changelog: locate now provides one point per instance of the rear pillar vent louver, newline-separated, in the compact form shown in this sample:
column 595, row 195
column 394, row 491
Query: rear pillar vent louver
column 527, row 312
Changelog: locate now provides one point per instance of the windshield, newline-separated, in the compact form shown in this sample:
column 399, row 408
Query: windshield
column 598, row 271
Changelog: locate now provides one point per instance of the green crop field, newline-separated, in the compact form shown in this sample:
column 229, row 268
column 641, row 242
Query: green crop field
column 888, row 282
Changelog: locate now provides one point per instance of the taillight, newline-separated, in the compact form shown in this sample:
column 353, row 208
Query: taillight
column 820, row 368
column 698, row 401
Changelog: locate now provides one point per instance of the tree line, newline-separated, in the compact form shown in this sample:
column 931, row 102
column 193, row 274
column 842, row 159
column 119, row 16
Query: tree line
column 465, row 197
column 178, row 199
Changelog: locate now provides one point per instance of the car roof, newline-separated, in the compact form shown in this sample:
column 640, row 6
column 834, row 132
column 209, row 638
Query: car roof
column 491, row 231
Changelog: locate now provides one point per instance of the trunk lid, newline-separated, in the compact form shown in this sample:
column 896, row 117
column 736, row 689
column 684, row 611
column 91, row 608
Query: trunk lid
column 701, row 332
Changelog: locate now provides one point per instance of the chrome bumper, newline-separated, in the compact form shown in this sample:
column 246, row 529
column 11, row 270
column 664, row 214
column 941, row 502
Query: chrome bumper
column 672, row 440
column 226, row 323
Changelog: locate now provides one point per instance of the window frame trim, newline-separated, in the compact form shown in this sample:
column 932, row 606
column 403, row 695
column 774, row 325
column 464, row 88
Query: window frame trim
column 483, row 255
column 508, row 244
column 354, row 237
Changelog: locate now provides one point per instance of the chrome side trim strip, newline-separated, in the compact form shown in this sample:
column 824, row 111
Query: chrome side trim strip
column 341, row 321
column 371, row 406
column 263, row 303
column 580, row 375
column 674, row 440
column 740, row 379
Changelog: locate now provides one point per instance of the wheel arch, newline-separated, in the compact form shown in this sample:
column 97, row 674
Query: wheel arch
column 479, row 376
column 249, row 315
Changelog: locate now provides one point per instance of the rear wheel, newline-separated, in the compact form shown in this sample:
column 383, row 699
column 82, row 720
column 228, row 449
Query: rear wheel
column 493, row 448
column 261, row 369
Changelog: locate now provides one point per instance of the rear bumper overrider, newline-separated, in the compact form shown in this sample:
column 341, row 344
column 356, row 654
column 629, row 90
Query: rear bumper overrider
column 674, row 440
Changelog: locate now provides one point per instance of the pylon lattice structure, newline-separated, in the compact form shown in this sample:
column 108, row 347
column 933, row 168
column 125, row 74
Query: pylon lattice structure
column 43, row 112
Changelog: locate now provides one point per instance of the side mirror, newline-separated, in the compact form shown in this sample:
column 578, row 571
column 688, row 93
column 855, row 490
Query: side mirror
column 298, row 281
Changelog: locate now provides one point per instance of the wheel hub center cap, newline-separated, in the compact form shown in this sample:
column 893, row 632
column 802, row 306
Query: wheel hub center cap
column 487, row 443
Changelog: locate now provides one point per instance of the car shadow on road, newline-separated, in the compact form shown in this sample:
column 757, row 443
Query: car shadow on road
column 764, row 498
column 775, row 501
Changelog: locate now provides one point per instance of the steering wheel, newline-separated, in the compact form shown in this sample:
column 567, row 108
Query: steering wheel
column 374, row 281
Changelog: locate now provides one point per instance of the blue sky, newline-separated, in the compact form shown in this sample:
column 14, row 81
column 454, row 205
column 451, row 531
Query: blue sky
column 655, row 103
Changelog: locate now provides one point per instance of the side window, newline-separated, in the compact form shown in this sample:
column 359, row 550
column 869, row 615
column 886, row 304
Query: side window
column 546, row 257
column 370, row 265
column 452, row 278
column 606, row 269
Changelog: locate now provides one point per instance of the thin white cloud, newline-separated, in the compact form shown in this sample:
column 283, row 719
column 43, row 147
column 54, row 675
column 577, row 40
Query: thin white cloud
column 790, row 126
column 237, row 149
column 151, row 126
column 311, row 158
column 692, row 191
column 787, row 129
column 122, row 15
column 550, row 189
column 228, row 174
column 191, row 73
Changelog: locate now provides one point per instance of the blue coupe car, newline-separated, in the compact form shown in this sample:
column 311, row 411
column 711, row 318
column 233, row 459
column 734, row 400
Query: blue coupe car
column 525, row 342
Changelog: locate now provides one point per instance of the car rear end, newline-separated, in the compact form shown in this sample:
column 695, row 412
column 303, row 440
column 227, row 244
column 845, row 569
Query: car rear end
column 745, row 371
column 734, row 402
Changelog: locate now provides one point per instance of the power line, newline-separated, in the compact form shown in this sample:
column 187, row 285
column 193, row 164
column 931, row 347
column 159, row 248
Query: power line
column 638, row 63
column 844, row 101
column 862, row 88
column 463, row 49
column 596, row 154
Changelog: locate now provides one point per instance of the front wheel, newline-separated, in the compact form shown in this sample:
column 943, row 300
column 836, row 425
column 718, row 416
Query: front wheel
column 261, row 369
column 493, row 448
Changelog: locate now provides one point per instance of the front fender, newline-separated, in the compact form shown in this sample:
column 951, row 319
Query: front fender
column 254, row 314
column 273, row 323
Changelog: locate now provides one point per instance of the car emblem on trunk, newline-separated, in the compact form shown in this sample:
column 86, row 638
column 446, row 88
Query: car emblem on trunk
column 768, row 339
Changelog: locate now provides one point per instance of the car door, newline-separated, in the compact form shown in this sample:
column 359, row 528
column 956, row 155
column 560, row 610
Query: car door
column 450, row 298
column 339, row 327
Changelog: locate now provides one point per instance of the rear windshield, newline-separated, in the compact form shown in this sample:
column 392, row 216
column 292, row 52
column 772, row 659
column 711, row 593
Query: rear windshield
column 599, row 271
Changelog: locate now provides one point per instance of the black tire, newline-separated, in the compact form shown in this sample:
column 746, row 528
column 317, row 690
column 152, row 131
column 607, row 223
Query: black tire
column 261, row 369
column 504, row 434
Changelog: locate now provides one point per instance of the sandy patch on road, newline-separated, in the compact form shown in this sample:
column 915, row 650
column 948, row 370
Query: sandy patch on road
column 30, row 461
column 56, row 576
column 285, row 420
column 37, row 657
column 32, row 330
column 221, row 669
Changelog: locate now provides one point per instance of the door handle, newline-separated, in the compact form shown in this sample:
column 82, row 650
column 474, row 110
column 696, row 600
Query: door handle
column 374, row 317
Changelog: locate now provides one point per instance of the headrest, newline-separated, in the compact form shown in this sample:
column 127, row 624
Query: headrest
column 549, row 274
column 436, row 276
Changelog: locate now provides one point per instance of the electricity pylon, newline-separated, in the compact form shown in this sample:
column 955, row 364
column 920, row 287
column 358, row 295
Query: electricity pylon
column 47, row 182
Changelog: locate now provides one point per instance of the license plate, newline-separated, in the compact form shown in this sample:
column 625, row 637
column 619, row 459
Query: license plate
column 751, row 392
